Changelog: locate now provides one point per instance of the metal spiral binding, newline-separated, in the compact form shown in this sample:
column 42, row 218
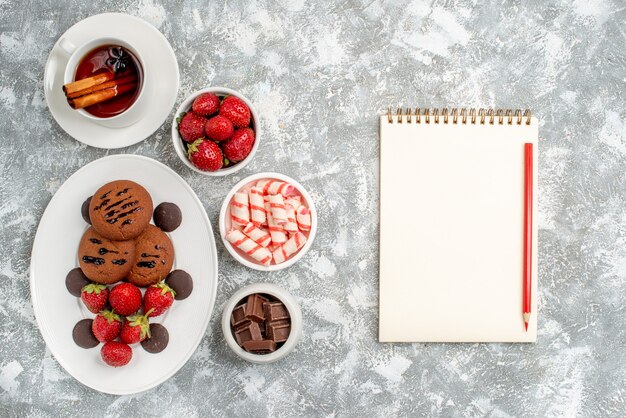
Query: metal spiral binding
column 456, row 115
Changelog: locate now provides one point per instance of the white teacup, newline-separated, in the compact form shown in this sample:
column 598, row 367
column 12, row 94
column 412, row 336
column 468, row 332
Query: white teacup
column 76, row 54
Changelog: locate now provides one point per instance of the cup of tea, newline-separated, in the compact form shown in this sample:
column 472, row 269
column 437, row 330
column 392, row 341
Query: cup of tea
column 105, row 81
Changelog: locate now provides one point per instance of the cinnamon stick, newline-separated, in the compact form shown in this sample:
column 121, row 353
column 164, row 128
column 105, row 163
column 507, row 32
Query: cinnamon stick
column 101, row 95
column 85, row 83
column 106, row 85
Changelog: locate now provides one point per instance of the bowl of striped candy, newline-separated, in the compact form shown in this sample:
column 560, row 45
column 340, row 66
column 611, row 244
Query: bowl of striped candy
column 268, row 221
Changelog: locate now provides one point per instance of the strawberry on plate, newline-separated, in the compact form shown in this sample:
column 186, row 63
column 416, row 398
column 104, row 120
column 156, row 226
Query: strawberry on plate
column 239, row 146
column 191, row 127
column 106, row 326
column 236, row 110
column 206, row 104
column 136, row 328
column 157, row 299
column 206, row 155
column 125, row 299
column 218, row 128
column 116, row 354
column 95, row 297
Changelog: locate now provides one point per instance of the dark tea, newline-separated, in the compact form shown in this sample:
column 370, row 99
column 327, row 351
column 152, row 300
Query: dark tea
column 122, row 73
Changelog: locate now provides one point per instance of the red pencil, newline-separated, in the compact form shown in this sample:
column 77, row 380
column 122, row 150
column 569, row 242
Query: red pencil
column 528, row 231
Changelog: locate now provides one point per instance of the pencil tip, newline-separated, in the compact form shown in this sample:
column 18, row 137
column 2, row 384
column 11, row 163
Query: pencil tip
column 526, row 326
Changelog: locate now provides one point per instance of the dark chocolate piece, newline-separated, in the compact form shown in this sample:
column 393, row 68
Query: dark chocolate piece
column 275, row 311
column 254, row 307
column 181, row 282
column 278, row 331
column 82, row 334
column 84, row 210
column 260, row 347
column 248, row 331
column 167, row 216
column 159, row 338
column 238, row 316
column 75, row 281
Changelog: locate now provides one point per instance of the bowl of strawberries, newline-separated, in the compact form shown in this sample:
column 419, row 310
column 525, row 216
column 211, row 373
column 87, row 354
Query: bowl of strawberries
column 216, row 131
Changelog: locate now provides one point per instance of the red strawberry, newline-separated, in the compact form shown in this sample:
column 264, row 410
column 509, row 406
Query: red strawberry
column 95, row 297
column 106, row 326
column 239, row 146
column 236, row 110
column 205, row 155
column 125, row 299
column 206, row 104
column 136, row 328
column 116, row 354
column 218, row 128
column 191, row 127
column 158, row 298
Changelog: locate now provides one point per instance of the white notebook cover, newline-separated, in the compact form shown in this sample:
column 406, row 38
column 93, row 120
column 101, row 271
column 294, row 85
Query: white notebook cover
column 451, row 225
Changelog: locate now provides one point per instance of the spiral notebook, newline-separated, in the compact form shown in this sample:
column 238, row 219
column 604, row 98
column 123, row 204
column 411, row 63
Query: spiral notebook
column 451, row 225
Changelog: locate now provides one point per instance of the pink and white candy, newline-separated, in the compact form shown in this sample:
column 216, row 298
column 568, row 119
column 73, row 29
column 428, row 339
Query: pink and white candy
column 257, row 207
column 277, row 232
column 240, row 209
column 248, row 246
column 303, row 216
column 294, row 201
column 257, row 235
column 270, row 186
column 291, row 225
column 289, row 248
column 277, row 206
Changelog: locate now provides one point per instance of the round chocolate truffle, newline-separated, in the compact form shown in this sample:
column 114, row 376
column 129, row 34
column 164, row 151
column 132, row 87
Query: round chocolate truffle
column 84, row 210
column 82, row 334
column 159, row 338
column 167, row 216
column 181, row 282
column 75, row 281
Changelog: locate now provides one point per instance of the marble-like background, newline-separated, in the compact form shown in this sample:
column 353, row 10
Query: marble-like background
column 319, row 73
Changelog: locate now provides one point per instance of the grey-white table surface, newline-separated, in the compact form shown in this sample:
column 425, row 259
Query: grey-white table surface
column 320, row 74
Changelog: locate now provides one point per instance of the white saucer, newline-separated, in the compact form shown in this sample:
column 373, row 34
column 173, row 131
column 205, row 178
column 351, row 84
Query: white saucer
column 157, row 54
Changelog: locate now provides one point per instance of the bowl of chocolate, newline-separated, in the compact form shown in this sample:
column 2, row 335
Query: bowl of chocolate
column 262, row 323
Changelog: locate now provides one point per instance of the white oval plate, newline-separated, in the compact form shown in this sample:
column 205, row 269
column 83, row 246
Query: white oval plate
column 54, row 255
column 158, row 55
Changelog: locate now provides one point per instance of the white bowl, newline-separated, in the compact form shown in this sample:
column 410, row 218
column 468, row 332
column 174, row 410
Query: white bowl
column 181, row 149
column 294, row 312
column 225, row 224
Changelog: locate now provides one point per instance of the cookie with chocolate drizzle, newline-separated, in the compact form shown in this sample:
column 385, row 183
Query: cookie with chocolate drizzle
column 120, row 210
column 154, row 257
column 102, row 260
